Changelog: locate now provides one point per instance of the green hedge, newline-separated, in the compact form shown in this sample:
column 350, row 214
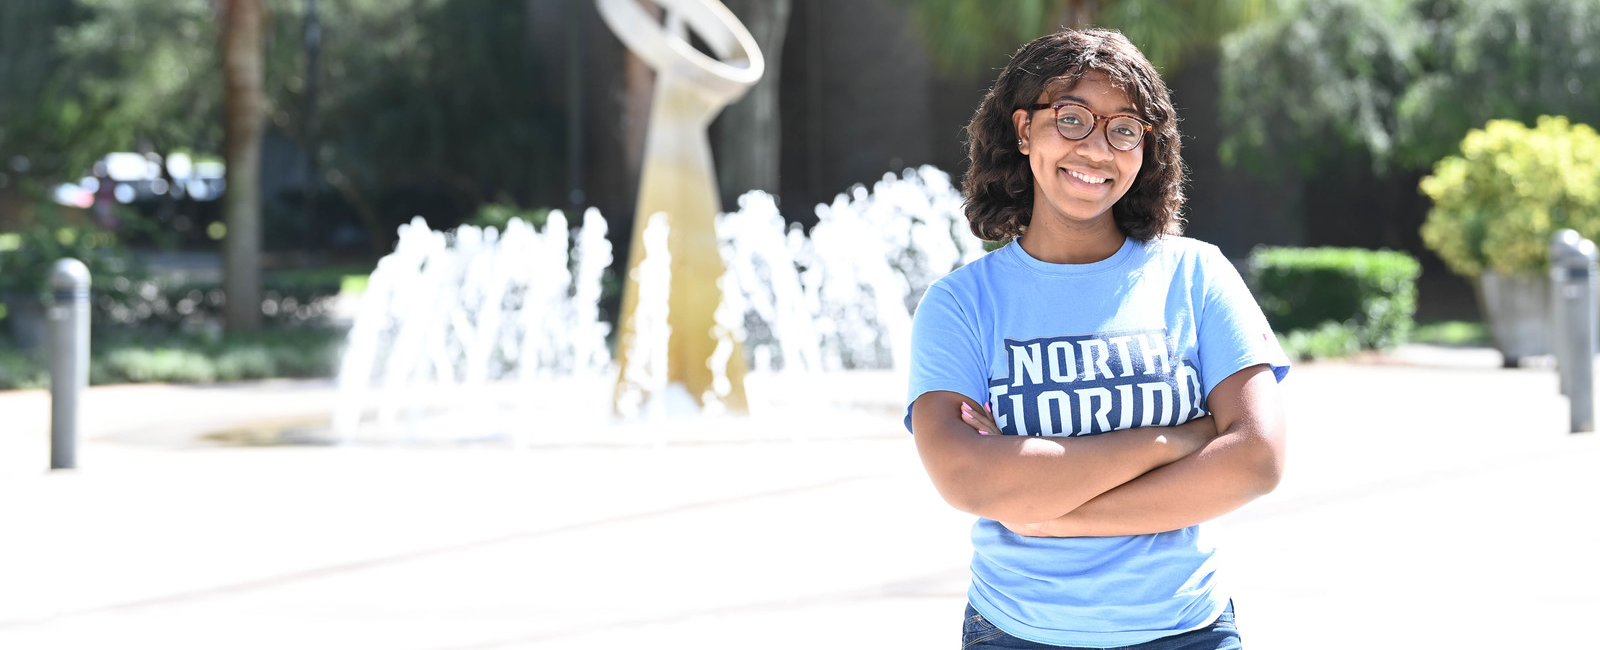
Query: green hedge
column 191, row 358
column 1373, row 293
column 291, row 298
column 1329, row 341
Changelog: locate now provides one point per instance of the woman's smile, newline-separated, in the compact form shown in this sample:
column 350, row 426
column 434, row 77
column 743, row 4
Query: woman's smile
column 1090, row 180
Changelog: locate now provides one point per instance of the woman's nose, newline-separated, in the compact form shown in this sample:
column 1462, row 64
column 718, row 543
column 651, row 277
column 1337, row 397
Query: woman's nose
column 1094, row 146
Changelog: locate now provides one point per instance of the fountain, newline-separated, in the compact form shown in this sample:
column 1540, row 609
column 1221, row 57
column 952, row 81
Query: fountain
column 479, row 334
column 841, row 299
column 458, row 324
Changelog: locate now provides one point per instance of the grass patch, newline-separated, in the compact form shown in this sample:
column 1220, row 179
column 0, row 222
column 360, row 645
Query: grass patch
column 1452, row 332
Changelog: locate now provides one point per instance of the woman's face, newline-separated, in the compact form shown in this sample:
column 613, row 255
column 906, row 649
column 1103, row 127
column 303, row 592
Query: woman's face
column 1077, row 180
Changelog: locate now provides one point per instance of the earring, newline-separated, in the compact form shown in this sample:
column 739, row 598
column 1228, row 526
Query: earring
column 1019, row 142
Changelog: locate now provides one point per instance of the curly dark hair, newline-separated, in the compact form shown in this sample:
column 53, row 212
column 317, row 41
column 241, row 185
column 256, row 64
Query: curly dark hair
column 999, row 183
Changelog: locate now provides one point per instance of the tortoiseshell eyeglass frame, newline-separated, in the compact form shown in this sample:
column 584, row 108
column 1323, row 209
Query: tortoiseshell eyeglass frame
column 1056, row 107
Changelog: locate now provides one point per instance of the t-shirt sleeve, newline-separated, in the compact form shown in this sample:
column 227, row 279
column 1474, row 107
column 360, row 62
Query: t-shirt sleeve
column 945, row 352
column 1233, row 333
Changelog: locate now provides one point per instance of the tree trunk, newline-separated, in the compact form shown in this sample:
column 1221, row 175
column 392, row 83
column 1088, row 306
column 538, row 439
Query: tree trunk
column 1078, row 14
column 242, row 128
column 746, row 139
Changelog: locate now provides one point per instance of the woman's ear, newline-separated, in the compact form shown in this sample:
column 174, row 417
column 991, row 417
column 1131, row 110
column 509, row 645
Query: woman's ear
column 1021, row 119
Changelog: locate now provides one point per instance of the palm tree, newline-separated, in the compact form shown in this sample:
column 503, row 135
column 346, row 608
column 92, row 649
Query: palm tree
column 242, row 60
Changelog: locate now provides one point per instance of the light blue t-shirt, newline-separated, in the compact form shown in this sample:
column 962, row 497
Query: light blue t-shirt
column 1137, row 339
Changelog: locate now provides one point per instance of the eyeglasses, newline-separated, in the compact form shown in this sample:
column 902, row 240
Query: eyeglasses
column 1076, row 122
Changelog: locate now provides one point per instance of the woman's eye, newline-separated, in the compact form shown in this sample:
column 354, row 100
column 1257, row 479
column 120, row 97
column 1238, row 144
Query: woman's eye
column 1071, row 120
column 1123, row 130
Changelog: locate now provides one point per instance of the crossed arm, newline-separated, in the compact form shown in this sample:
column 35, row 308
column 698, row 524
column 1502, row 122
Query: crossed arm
column 1130, row 482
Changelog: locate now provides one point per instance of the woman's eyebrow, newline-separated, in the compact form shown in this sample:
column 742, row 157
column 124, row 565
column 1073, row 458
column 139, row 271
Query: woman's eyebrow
column 1126, row 110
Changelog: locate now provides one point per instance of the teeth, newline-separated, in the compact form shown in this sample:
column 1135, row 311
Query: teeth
column 1087, row 178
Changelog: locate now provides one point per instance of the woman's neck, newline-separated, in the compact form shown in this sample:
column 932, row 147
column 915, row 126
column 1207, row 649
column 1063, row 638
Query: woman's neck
column 1063, row 243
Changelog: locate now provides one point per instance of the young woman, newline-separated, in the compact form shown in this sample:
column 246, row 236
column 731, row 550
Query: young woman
column 1129, row 373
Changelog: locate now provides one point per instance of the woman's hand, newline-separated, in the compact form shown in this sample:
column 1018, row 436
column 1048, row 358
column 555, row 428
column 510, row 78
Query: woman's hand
column 1041, row 529
column 980, row 421
column 1187, row 438
column 1193, row 435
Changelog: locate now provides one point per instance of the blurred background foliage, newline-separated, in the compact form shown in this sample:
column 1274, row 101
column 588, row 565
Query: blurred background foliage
column 437, row 107
column 975, row 37
column 1306, row 122
column 1399, row 82
column 434, row 104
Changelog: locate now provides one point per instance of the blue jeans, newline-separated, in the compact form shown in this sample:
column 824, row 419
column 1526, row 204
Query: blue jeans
column 977, row 633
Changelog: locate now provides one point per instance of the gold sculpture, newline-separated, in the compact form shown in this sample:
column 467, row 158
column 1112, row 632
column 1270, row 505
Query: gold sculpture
column 677, row 178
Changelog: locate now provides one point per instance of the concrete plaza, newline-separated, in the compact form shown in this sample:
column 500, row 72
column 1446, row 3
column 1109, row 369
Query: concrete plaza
column 1433, row 500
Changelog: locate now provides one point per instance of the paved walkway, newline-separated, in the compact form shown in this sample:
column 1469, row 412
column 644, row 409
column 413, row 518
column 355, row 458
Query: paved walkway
column 1433, row 500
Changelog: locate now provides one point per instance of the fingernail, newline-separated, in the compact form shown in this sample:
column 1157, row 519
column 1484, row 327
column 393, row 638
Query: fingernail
column 966, row 408
column 983, row 432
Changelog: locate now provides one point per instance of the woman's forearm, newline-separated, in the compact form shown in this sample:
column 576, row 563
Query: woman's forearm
column 1226, row 475
column 1244, row 462
column 1029, row 478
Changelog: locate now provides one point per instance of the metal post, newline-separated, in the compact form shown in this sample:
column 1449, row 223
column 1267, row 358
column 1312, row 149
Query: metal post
column 69, row 357
column 1573, row 281
column 1563, row 240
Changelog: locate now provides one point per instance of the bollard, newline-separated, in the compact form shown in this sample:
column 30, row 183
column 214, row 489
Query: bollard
column 1573, row 322
column 69, row 357
column 1557, row 322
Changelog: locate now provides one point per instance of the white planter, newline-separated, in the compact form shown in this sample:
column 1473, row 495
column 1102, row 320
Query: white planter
column 1517, row 308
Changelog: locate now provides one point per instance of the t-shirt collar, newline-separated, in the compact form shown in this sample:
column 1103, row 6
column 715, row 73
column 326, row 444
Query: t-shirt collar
column 1015, row 252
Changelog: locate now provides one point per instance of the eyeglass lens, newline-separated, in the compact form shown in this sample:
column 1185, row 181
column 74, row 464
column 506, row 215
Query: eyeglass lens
column 1122, row 132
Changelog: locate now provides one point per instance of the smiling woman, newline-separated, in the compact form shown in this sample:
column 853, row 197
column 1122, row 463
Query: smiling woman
column 1079, row 178
column 1099, row 387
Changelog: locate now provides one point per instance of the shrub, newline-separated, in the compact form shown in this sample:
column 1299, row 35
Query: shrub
column 1452, row 332
column 292, row 352
column 51, row 233
column 191, row 358
column 21, row 370
column 1496, row 205
column 174, row 365
column 1329, row 340
column 289, row 298
column 1373, row 293
column 497, row 215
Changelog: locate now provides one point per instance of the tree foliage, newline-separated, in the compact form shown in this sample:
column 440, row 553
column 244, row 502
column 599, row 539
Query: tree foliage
column 440, row 97
column 977, row 37
column 45, row 108
column 444, row 92
column 1401, row 81
column 151, row 70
